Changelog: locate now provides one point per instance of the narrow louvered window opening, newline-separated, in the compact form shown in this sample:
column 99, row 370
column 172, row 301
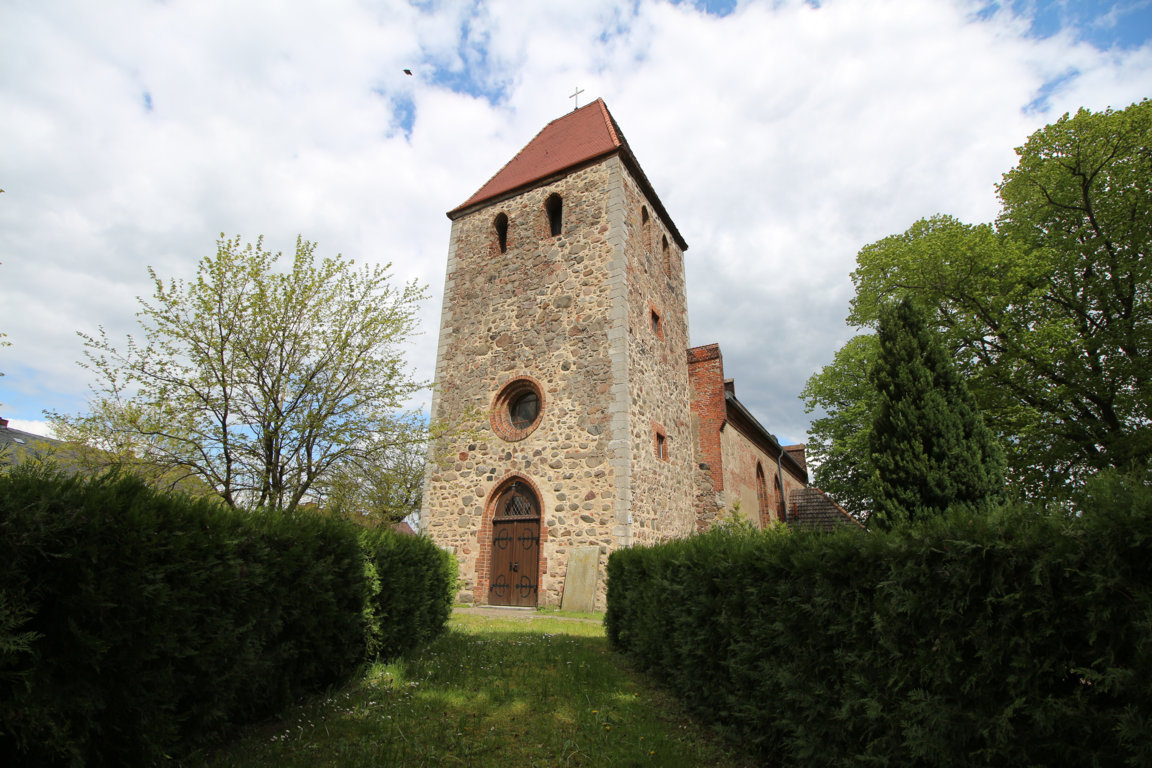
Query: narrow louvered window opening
column 554, row 207
column 501, row 225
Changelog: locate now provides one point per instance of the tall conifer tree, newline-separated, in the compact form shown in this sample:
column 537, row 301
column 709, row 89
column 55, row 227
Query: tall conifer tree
column 929, row 445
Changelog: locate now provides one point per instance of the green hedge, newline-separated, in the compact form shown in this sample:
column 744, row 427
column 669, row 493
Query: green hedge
column 416, row 588
column 135, row 624
column 1013, row 639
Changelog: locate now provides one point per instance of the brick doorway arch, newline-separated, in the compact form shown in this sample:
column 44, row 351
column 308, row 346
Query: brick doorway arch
column 514, row 562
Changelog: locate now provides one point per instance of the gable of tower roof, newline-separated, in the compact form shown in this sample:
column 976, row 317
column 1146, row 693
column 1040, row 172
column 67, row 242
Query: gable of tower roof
column 579, row 137
column 576, row 138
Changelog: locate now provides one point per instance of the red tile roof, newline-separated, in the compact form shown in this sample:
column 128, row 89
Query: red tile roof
column 403, row 527
column 798, row 452
column 579, row 137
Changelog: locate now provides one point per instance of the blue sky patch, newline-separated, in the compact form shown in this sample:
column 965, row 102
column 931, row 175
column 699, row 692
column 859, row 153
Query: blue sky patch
column 469, row 73
column 711, row 7
column 404, row 113
column 1040, row 103
column 1102, row 23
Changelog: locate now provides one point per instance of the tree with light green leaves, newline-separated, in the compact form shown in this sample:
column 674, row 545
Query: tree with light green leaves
column 381, row 488
column 838, row 439
column 928, row 445
column 1047, row 313
column 260, row 383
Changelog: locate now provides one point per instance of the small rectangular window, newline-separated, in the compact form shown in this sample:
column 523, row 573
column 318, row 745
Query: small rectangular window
column 661, row 442
column 657, row 324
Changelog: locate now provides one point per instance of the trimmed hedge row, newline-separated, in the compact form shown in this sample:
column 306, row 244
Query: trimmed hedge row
column 1013, row 639
column 135, row 624
column 417, row 601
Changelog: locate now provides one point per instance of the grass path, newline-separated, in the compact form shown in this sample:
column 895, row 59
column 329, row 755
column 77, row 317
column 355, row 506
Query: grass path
column 493, row 691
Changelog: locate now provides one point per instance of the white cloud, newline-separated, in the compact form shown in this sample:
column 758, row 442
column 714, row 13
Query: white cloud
column 782, row 138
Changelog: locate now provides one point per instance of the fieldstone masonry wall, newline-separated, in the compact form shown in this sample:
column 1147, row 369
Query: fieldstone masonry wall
column 631, row 445
column 729, row 451
column 563, row 311
column 661, row 488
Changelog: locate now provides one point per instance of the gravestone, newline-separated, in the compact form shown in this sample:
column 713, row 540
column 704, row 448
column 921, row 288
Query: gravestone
column 580, row 583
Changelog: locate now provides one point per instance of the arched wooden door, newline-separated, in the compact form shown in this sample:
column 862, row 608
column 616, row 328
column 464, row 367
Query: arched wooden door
column 515, row 564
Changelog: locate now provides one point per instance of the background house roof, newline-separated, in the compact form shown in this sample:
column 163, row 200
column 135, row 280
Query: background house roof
column 17, row 440
column 812, row 509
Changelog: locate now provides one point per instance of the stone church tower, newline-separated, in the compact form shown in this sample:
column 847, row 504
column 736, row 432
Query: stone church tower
column 562, row 368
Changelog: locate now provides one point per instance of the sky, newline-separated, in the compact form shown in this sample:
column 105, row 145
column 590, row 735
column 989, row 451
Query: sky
column 782, row 137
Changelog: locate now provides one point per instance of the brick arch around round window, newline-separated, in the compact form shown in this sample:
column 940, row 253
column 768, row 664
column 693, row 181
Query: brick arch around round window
column 510, row 409
column 484, row 535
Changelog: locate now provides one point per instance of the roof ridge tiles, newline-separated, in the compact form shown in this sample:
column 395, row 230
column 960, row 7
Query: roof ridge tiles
column 611, row 123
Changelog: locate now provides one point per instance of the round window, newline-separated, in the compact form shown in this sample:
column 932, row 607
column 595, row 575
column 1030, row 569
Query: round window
column 524, row 410
column 517, row 410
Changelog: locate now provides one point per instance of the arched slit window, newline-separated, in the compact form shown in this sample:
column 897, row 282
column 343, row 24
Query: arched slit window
column 661, row 442
column 644, row 215
column 554, row 207
column 762, row 500
column 501, row 224
column 666, row 257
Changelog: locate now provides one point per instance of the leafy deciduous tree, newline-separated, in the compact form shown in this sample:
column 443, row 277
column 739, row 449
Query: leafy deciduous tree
column 382, row 488
column 258, row 383
column 838, row 440
column 1048, row 313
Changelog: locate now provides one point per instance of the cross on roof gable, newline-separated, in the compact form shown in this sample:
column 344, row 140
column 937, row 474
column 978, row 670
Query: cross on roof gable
column 581, row 136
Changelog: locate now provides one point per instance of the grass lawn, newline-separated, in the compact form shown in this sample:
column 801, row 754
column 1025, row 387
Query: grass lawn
column 532, row 691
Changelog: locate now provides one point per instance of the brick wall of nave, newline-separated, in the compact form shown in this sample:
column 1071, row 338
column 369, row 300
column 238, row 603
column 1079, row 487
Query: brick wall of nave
column 741, row 457
column 709, row 413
